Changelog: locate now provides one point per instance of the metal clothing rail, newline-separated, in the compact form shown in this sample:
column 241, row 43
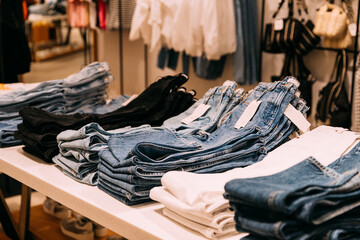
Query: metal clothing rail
column 355, row 51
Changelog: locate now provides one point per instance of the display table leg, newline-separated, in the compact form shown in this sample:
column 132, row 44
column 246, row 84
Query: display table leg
column 24, row 212
column 7, row 220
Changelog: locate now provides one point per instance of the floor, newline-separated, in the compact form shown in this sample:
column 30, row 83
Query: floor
column 55, row 68
column 14, row 202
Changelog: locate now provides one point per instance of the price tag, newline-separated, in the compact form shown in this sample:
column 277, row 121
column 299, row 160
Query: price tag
column 352, row 29
column 278, row 24
column 297, row 118
column 248, row 113
column 198, row 112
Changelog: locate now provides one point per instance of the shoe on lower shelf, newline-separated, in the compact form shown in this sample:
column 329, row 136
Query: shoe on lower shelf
column 99, row 230
column 77, row 228
column 56, row 209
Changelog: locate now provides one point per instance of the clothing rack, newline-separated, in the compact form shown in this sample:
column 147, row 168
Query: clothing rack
column 354, row 52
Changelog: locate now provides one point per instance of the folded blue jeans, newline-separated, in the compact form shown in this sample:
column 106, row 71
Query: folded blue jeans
column 319, row 195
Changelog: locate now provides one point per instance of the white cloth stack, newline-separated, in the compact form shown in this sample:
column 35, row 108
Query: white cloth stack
column 196, row 200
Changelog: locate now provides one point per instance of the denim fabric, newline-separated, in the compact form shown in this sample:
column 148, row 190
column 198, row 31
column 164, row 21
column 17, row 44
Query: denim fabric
column 84, row 172
column 160, row 101
column 321, row 194
column 162, row 58
column 7, row 129
column 266, row 226
column 119, row 194
column 269, row 113
column 208, row 69
column 92, row 129
column 104, row 108
column 86, row 89
column 246, row 15
column 173, row 58
column 217, row 98
column 93, row 138
column 86, row 75
column 239, row 60
column 138, row 190
column 169, row 57
column 105, row 169
column 185, row 63
column 150, row 159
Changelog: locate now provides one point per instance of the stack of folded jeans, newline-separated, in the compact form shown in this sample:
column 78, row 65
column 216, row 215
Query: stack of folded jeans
column 307, row 201
column 78, row 157
column 84, row 91
column 160, row 101
column 196, row 200
column 129, row 175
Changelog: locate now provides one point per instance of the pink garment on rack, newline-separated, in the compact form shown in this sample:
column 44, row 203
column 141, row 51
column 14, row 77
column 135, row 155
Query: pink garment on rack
column 102, row 13
column 78, row 13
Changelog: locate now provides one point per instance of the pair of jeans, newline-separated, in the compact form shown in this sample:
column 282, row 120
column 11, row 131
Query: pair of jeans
column 56, row 96
column 7, row 129
column 157, row 103
column 275, row 99
column 90, row 139
column 247, row 148
column 217, row 99
column 150, row 99
column 165, row 150
column 246, row 57
column 250, row 155
column 308, row 193
column 345, row 226
column 85, row 172
column 169, row 57
column 208, row 69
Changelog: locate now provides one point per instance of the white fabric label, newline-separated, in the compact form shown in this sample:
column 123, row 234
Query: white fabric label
column 352, row 29
column 198, row 112
column 129, row 100
column 297, row 118
column 247, row 114
column 278, row 25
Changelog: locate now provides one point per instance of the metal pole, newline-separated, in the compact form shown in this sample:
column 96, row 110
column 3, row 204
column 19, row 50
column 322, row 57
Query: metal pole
column 121, row 51
column 355, row 57
column 261, row 38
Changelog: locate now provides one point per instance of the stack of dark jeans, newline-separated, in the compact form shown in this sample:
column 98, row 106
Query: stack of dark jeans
column 160, row 101
column 81, row 92
column 306, row 201
column 135, row 163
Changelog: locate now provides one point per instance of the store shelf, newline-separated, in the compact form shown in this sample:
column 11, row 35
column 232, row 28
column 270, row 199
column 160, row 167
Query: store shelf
column 143, row 221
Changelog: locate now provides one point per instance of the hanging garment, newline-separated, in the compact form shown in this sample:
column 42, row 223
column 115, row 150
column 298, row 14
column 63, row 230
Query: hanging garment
column 78, row 13
column 15, row 55
column 101, row 8
column 113, row 15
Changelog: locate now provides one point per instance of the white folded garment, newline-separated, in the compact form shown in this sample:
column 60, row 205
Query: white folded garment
column 202, row 209
column 324, row 143
column 209, row 232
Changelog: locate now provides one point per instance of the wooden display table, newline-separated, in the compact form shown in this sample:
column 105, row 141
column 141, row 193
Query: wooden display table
column 144, row 221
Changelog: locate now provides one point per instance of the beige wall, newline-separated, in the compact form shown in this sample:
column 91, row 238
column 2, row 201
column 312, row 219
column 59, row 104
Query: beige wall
column 320, row 63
